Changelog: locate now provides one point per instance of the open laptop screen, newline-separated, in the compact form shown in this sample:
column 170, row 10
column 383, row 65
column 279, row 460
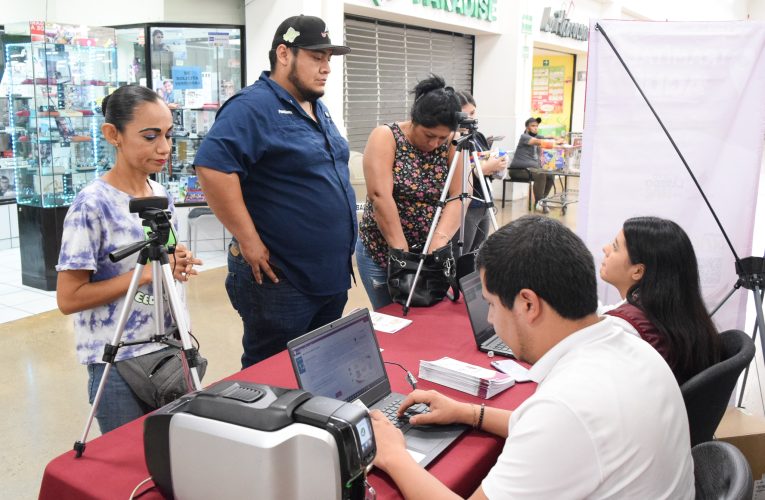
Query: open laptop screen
column 340, row 360
column 477, row 307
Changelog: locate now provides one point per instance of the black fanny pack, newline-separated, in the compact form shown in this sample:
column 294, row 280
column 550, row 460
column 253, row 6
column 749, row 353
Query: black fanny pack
column 157, row 378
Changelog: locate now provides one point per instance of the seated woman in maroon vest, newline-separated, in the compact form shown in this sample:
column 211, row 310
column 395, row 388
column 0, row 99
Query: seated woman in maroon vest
column 652, row 264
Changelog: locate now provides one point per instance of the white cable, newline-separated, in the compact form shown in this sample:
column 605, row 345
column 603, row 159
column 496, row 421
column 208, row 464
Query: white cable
column 132, row 495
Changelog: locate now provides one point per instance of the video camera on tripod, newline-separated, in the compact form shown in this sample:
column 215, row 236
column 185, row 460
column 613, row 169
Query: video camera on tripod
column 465, row 122
column 153, row 211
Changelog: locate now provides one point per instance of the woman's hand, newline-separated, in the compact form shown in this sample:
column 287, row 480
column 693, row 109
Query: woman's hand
column 493, row 165
column 183, row 263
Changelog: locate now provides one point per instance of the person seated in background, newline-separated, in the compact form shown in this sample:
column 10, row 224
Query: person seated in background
column 607, row 418
column 652, row 264
column 527, row 156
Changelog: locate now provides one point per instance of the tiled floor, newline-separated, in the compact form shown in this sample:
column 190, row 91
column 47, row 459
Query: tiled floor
column 44, row 396
column 16, row 300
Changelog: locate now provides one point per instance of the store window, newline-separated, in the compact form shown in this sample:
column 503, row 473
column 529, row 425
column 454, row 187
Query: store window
column 386, row 62
column 194, row 69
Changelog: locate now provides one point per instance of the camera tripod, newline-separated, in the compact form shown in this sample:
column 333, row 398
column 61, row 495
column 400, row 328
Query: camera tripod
column 464, row 149
column 153, row 249
column 751, row 276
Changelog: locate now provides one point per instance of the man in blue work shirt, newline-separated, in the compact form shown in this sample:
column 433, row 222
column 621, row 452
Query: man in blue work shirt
column 274, row 170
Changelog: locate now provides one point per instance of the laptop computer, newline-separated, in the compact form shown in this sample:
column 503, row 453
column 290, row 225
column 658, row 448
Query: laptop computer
column 342, row 360
column 478, row 312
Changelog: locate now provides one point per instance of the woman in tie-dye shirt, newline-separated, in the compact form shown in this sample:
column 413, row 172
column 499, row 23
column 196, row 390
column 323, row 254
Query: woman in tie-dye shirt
column 92, row 287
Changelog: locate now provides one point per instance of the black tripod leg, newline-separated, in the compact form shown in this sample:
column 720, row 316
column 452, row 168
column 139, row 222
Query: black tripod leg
column 725, row 299
column 758, row 325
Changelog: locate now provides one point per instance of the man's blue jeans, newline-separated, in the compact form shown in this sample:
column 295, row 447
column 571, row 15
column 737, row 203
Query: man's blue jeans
column 275, row 313
column 118, row 405
column 374, row 278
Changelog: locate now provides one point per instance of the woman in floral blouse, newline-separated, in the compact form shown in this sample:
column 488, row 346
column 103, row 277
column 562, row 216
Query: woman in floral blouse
column 405, row 166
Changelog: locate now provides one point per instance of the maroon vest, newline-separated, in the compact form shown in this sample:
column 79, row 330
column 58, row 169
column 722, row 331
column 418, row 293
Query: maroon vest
column 647, row 331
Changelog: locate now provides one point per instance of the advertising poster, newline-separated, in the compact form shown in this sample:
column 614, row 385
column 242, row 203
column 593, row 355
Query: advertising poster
column 552, row 87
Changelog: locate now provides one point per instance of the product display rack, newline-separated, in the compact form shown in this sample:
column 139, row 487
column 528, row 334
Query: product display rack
column 57, row 79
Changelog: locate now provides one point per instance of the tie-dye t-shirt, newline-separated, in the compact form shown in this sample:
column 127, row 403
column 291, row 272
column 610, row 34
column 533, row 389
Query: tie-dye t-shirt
column 97, row 223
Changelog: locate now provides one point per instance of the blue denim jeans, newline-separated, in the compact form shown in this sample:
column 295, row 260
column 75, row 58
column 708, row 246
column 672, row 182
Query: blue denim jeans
column 374, row 277
column 275, row 313
column 118, row 404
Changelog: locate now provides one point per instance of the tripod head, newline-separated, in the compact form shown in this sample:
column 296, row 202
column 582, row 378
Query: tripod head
column 751, row 273
column 156, row 218
column 467, row 123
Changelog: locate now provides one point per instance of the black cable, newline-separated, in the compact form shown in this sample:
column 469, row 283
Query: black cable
column 409, row 377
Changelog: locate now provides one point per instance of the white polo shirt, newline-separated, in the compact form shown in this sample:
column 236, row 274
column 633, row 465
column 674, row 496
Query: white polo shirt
column 607, row 421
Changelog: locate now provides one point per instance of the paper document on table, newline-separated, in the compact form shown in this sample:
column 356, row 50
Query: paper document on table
column 387, row 323
column 472, row 379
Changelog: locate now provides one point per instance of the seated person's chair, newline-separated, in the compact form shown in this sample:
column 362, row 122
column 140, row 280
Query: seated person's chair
column 721, row 472
column 518, row 175
column 706, row 394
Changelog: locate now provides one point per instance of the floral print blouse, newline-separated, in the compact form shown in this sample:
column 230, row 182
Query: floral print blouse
column 418, row 181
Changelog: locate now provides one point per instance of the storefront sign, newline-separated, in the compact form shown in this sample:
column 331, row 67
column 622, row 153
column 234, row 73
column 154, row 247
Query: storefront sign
column 561, row 26
column 479, row 9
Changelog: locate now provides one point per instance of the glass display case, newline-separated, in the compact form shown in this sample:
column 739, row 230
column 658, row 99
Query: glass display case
column 56, row 77
column 56, row 82
column 195, row 69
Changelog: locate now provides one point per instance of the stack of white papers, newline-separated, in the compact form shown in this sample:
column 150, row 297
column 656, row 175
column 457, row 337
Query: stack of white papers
column 387, row 323
column 472, row 379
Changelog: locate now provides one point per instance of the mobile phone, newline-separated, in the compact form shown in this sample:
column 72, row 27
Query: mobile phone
column 519, row 372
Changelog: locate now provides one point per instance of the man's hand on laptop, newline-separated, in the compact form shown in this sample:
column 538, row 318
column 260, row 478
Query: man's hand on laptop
column 391, row 445
column 443, row 410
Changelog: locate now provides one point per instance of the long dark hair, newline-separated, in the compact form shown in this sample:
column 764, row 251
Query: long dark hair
column 670, row 294
column 435, row 104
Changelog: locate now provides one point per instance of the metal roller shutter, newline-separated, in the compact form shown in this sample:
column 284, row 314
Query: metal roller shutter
column 386, row 63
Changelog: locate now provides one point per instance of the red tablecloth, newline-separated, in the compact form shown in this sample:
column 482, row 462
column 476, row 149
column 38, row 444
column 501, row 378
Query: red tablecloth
column 114, row 464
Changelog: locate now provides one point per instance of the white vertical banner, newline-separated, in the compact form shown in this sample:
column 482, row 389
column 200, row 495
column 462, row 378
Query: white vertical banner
column 706, row 81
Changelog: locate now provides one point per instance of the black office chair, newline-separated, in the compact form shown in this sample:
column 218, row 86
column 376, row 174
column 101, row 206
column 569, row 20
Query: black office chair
column 518, row 175
column 721, row 472
column 706, row 394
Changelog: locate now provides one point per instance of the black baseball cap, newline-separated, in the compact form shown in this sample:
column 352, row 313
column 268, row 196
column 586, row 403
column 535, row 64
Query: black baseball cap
column 306, row 32
column 532, row 120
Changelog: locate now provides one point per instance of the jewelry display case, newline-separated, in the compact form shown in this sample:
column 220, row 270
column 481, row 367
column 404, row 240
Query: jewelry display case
column 56, row 82
column 56, row 76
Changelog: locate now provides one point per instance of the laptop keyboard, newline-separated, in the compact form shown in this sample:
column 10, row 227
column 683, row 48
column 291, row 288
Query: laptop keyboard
column 391, row 412
column 496, row 344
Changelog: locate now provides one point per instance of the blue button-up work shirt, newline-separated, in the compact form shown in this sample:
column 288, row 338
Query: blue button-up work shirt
column 295, row 182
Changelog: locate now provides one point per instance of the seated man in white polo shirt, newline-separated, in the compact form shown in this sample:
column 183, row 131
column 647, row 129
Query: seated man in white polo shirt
column 607, row 419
